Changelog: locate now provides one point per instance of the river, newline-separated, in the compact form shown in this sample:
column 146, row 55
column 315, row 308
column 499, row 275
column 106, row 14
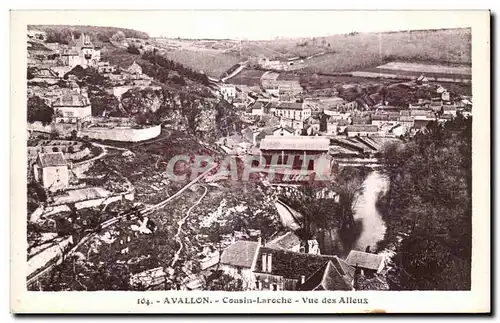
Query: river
column 366, row 212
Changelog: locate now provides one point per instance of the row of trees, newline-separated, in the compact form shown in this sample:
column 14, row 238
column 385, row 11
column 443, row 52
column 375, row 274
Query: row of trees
column 429, row 207
column 63, row 34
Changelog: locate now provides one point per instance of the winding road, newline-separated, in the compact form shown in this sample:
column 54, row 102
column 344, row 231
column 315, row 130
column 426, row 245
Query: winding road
column 181, row 222
column 149, row 210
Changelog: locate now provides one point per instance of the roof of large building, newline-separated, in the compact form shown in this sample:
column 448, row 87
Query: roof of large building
column 338, row 122
column 284, row 242
column 419, row 112
column 364, row 259
column 52, row 159
column 294, row 264
column 362, row 127
column 331, row 277
column 71, row 99
column 406, row 118
column 240, row 254
column 380, row 117
column 303, row 143
column 290, row 106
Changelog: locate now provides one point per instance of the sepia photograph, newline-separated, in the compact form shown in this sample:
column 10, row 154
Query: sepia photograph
column 255, row 155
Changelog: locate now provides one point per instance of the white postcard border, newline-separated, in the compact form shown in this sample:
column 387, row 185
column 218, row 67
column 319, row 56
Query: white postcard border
column 476, row 300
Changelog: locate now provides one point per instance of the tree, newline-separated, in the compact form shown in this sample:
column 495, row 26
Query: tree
column 317, row 213
column 38, row 110
column 74, row 134
column 36, row 196
column 178, row 80
column 118, row 36
column 133, row 50
column 102, row 102
column 219, row 281
column 429, row 203
column 215, row 237
column 30, row 72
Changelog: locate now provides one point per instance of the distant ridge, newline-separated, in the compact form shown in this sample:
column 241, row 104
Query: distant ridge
column 99, row 33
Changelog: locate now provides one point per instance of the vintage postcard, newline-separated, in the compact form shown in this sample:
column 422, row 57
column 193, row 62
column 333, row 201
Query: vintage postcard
column 250, row 161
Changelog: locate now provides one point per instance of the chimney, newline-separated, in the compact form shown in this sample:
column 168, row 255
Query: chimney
column 264, row 257
column 269, row 262
column 302, row 279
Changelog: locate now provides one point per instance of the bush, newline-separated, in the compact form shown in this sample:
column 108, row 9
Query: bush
column 119, row 36
column 178, row 80
column 133, row 50
column 38, row 110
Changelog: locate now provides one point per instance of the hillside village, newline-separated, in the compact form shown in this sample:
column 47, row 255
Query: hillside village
column 100, row 135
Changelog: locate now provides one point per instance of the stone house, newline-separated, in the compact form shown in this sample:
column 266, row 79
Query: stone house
column 362, row 130
column 51, row 170
column 274, row 268
column 72, row 107
column 293, row 110
column 369, row 263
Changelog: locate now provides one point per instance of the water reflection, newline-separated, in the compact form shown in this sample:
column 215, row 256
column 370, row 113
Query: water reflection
column 365, row 211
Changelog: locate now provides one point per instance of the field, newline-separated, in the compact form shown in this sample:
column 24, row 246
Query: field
column 247, row 77
column 330, row 54
column 212, row 62
column 358, row 51
column 428, row 68
column 439, row 73
column 120, row 57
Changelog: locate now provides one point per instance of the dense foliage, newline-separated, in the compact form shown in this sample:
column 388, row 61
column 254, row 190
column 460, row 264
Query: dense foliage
column 133, row 50
column 164, row 63
column 428, row 207
column 322, row 212
column 38, row 110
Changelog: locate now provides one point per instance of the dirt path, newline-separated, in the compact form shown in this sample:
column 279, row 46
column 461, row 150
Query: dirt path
column 63, row 255
column 181, row 222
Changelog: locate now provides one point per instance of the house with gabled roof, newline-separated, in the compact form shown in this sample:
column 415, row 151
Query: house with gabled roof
column 293, row 110
column 362, row 130
column 369, row 263
column 72, row 107
column 51, row 170
column 276, row 267
column 239, row 260
column 330, row 277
